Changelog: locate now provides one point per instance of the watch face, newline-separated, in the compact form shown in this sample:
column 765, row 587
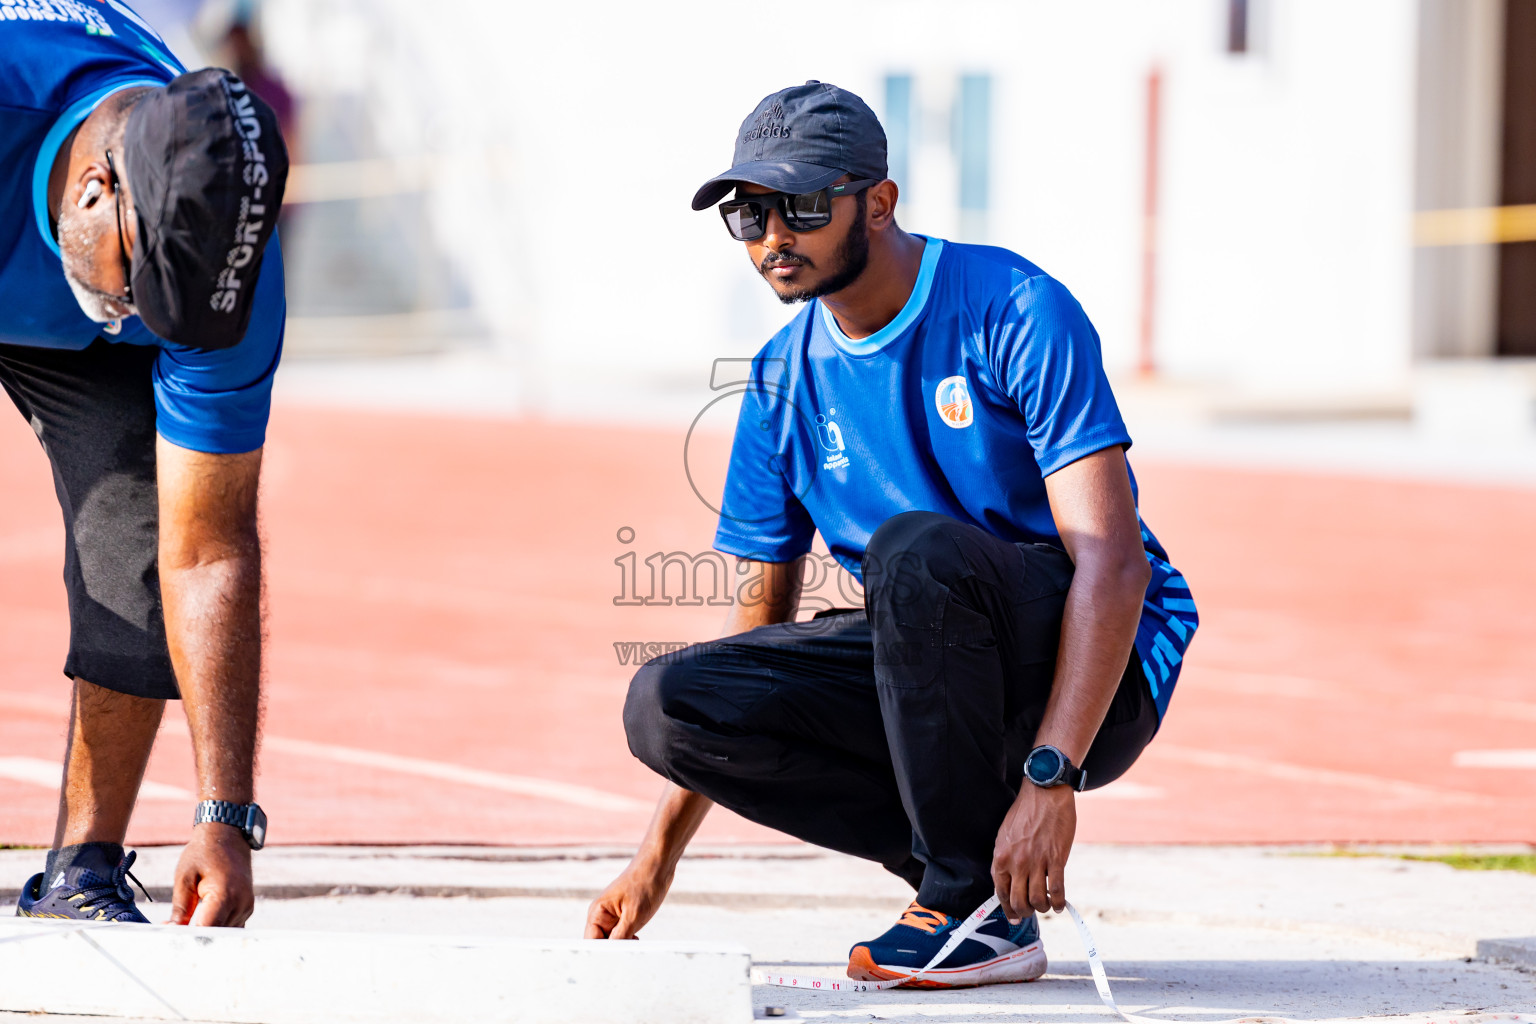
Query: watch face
column 256, row 827
column 1043, row 766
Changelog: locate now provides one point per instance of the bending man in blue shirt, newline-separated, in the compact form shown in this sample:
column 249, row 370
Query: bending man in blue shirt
column 939, row 412
column 141, row 321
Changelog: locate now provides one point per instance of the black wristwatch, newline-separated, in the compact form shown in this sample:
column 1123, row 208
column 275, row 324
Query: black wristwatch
column 1046, row 767
column 248, row 818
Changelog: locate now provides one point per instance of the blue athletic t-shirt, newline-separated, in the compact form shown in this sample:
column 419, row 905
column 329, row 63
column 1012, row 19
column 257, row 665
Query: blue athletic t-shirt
column 988, row 380
column 58, row 60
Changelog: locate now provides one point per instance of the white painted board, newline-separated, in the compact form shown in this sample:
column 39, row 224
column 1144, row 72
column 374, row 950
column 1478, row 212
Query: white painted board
column 162, row 972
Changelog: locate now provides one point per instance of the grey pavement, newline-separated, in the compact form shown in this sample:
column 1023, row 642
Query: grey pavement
column 1188, row 933
column 1518, row 950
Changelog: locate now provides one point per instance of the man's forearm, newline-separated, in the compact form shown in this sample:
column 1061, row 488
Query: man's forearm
column 210, row 584
column 213, row 625
column 1098, row 629
column 678, row 816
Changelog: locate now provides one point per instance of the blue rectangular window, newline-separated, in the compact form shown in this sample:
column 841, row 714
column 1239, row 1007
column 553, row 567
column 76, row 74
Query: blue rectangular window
column 898, row 131
column 973, row 144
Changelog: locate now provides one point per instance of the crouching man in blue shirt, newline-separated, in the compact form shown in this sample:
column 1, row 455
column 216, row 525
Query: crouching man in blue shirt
column 939, row 412
column 140, row 327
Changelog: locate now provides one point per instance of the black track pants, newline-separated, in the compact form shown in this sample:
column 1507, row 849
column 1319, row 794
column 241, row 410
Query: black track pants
column 897, row 733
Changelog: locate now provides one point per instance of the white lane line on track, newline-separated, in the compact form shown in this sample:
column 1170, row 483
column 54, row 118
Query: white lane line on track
column 1267, row 684
column 1124, row 791
column 421, row 668
column 1486, row 707
column 417, row 592
column 48, row 774
column 1494, row 759
column 1377, row 784
column 522, row 785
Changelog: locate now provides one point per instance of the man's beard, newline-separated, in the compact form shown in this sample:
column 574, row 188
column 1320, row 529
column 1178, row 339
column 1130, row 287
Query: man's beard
column 849, row 261
column 74, row 249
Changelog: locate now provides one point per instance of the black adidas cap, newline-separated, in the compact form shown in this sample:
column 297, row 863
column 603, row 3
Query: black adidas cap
column 206, row 166
column 802, row 139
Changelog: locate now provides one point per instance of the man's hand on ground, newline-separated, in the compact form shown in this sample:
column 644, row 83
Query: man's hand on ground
column 1029, row 859
column 628, row 904
column 213, row 878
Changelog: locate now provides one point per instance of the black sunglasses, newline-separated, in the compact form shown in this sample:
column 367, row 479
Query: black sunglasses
column 122, row 245
column 746, row 217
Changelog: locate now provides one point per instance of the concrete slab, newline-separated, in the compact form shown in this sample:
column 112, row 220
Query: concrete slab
column 779, row 874
column 1520, row 951
column 1305, row 889
column 1177, row 968
column 1187, row 932
column 270, row 976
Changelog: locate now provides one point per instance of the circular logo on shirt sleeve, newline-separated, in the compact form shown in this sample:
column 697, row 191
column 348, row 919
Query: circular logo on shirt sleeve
column 953, row 400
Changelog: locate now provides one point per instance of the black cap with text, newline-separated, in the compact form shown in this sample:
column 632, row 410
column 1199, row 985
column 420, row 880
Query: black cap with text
column 802, row 139
column 206, row 165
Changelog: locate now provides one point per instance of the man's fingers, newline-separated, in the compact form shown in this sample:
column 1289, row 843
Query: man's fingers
column 1058, row 884
column 600, row 921
column 239, row 903
column 625, row 929
column 183, row 899
column 1018, row 898
column 212, row 909
column 1000, row 883
column 214, row 906
column 1039, row 898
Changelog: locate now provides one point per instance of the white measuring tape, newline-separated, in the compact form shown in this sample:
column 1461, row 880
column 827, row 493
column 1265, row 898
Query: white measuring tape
column 1095, row 965
column 1101, row 982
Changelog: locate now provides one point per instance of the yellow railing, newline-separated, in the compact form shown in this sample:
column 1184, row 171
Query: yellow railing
column 1487, row 225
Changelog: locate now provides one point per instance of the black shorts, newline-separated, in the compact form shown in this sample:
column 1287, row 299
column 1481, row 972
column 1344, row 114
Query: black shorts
column 94, row 412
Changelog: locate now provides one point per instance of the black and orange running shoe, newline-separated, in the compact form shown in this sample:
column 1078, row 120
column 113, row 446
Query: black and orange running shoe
column 995, row 953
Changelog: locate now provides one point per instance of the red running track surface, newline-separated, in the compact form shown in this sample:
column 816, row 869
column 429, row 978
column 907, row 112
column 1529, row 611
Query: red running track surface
column 443, row 590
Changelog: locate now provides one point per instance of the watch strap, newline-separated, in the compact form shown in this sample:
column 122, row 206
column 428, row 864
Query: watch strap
column 221, row 811
column 248, row 818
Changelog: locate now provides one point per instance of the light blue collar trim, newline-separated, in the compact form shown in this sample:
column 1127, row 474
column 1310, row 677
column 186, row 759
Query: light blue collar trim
column 66, row 123
column 909, row 313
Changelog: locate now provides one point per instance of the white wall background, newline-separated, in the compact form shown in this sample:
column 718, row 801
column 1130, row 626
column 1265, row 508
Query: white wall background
column 1287, row 174
column 1286, row 224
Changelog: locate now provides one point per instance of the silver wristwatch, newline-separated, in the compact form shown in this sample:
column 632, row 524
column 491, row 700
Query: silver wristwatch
column 248, row 818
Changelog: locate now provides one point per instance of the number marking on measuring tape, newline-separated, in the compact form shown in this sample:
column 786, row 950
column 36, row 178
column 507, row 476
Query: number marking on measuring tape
column 971, row 923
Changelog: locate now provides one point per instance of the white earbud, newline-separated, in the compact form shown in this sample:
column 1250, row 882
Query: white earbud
column 92, row 190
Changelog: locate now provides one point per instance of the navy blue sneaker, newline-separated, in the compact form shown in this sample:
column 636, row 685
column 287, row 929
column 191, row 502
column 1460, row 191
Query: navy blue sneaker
column 996, row 952
column 91, row 888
